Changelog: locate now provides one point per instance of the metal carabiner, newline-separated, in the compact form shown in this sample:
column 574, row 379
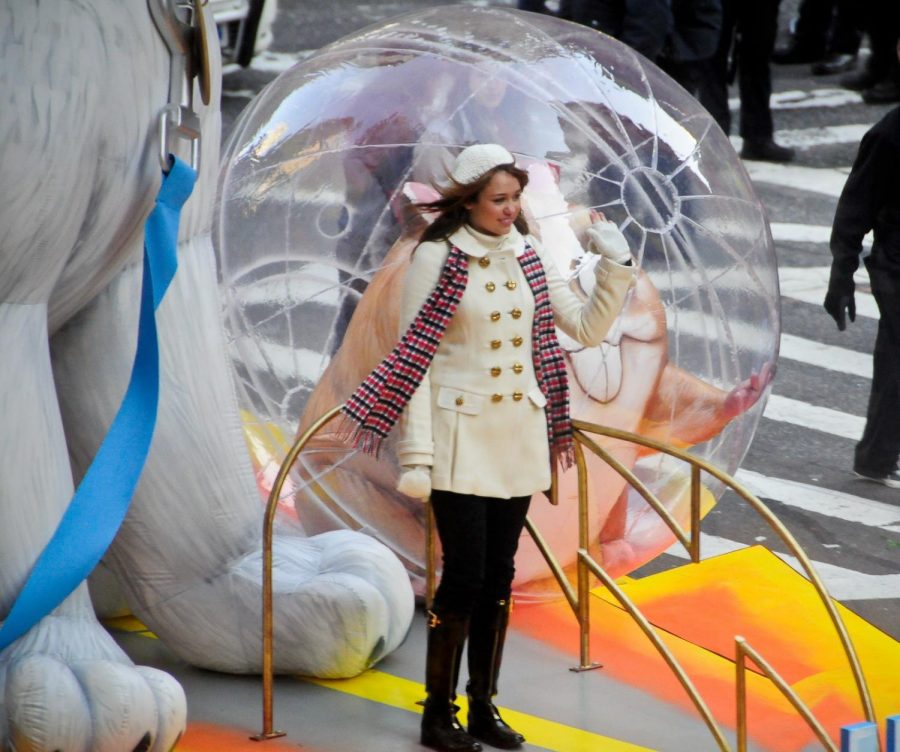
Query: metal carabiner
column 189, row 54
column 181, row 122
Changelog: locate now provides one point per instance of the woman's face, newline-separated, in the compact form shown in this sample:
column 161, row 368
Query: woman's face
column 497, row 206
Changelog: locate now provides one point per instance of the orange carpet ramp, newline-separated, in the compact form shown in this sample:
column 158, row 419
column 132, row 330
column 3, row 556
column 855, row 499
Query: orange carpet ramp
column 698, row 609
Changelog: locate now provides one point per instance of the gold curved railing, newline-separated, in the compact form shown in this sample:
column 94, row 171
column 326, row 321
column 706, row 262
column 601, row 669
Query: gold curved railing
column 579, row 597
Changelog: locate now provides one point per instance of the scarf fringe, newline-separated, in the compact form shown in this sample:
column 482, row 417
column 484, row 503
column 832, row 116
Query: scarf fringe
column 358, row 436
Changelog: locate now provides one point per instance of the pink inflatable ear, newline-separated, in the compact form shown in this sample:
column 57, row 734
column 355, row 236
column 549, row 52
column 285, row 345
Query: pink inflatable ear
column 420, row 193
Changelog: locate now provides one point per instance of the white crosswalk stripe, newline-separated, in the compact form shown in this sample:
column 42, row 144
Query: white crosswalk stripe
column 833, row 358
column 814, row 417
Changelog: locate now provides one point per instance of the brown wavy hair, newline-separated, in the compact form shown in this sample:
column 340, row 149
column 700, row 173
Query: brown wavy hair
column 451, row 206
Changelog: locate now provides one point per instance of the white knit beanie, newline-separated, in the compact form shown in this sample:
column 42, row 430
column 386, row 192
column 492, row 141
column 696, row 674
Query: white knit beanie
column 473, row 161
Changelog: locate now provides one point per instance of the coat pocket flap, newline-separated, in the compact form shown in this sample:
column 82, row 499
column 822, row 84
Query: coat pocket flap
column 537, row 397
column 460, row 401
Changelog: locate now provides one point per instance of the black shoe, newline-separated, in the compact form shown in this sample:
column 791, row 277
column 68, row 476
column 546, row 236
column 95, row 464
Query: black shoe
column 837, row 62
column 486, row 724
column 891, row 479
column 860, row 80
column 765, row 150
column 794, row 53
column 441, row 731
column 882, row 93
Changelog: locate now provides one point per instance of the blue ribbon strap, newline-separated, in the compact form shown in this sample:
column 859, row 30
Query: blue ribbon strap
column 101, row 501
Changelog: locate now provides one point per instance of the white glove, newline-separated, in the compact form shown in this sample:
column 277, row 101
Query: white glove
column 606, row 239
column 415, row 481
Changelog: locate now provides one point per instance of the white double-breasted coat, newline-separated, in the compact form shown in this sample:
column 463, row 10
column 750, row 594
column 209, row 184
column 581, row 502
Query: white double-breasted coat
column 477, row 419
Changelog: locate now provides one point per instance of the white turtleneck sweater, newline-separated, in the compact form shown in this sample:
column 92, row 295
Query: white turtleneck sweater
column 478, row 417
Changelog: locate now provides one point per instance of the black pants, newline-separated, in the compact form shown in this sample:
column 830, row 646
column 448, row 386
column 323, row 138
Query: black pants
column 879, row 448
column 751, row 28
column 479, row 537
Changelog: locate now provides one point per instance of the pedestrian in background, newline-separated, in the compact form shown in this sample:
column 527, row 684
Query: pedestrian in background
column 745, row 47
column 870, row 200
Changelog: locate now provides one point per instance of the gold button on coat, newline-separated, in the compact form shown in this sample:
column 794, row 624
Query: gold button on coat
column 517, row 396
column 496, row 371
column 495, row 316
column 484, row 262
column 518, row 367
column 459, row 400
column 496, row 344
column 517, row 341
column 516, row 313
column 490, row 287
column 511, row 285
column 496, row 397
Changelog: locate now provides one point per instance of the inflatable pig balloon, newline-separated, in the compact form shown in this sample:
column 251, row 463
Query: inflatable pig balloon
column 314, row 241
column 84, row 85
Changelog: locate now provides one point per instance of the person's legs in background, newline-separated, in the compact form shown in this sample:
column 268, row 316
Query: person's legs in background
column 884, row 32
column 877, row 452
column 879, row 80
column 844, row 39
column 714, row 75
column 757, row 26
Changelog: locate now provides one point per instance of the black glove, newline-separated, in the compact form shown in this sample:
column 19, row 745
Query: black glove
column 839, row 301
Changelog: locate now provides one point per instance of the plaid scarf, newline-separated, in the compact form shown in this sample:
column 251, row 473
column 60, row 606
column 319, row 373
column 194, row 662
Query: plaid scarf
column 375, row 406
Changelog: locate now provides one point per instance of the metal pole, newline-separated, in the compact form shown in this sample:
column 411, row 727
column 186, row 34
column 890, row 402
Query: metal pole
column 268, row 619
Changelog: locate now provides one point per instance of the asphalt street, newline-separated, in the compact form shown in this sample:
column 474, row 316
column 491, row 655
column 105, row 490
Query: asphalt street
column 810, row 462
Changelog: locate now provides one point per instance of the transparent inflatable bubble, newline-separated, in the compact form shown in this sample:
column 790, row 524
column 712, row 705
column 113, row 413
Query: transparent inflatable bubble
column 313, row 240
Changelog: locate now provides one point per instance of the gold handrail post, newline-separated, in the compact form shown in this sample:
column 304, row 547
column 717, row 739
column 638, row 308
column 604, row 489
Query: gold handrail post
column 740, row 686
column 695, row 513
column 268, row 618
column 583, row 574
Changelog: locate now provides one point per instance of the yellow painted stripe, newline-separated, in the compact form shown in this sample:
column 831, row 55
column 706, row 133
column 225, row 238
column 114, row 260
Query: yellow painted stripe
column 387, row 689
column 128, row 624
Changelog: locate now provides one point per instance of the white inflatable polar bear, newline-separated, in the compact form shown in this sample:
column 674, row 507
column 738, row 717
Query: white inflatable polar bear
column 83, row 84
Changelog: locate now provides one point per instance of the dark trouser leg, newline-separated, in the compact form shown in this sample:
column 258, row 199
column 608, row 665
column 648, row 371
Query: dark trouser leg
column 490, row 619
column 879, row 448
column 757, row 24
column 712, row 85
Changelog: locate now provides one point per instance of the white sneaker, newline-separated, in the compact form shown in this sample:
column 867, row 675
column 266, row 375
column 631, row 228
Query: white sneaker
column 891, row 479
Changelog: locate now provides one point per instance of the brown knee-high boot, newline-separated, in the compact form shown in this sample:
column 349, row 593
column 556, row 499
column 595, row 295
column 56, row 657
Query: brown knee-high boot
column 440, row 729
column 486, row 638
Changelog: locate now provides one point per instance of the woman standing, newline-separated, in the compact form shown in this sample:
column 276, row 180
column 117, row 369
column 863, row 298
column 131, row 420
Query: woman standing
column 478, row 385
